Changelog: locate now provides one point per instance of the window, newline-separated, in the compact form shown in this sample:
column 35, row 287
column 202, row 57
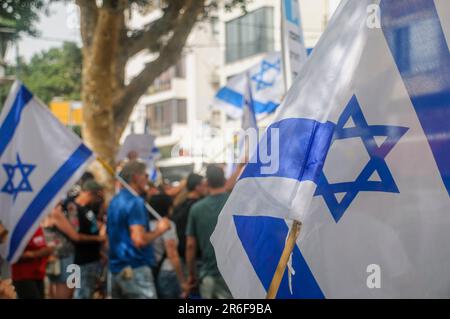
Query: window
column 161, row 116
column 161, row 83
column 164, row 81
column 250, row 34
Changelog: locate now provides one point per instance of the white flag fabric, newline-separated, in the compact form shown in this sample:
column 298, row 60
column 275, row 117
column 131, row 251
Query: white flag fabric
column 142, row 144
column 40, row 160
column 146, row 150
column 364, row 163
column 266, row 84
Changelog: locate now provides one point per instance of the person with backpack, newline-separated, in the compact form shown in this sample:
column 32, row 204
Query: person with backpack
column 171, row 282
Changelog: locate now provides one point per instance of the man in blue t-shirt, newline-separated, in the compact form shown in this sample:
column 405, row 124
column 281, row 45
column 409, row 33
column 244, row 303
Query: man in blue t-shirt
column 130, row 252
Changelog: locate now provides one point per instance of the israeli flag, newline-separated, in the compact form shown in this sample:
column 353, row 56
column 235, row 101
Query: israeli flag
column 363, row 138
column 249, row 114
column 152, row 170
column 248, row 135
column 266, row 80
column 249, row 126
column 155, row 153
column 40, row 160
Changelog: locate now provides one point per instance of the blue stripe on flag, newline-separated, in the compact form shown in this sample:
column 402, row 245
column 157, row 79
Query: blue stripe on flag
column 261, row 108
column 417, row 42
column 231, row 97
column 303, row 147
column 12, row 120
column 263, row 239
column 237, row 100
column 47, row 193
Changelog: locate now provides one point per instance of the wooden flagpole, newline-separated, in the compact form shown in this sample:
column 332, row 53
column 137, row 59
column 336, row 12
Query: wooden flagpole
column 287, row 251
column 111, row 171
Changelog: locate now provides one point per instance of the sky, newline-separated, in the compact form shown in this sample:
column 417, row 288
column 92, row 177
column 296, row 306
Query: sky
column 61, row 24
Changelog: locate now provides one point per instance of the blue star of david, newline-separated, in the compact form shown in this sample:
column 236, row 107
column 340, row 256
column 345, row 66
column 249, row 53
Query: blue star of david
column 24, row 185
column 377, row 162
column 262, row 83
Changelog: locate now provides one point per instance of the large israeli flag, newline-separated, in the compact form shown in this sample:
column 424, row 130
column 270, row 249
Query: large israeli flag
column 364, row 163
column 266, row 80
column 40, row 160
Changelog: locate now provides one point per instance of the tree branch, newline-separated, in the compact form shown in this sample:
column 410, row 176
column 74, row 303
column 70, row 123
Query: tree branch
column 150, row 36
column 124, row 103
column 88, row 21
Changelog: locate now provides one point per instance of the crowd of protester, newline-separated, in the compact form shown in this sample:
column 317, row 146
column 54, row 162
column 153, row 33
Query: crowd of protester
column 120, row 249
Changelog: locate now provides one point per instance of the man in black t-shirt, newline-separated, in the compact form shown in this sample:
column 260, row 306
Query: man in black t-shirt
column 196, row 188
column 87, row 254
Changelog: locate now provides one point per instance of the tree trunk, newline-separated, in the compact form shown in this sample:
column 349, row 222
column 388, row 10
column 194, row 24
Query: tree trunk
column 99, row 83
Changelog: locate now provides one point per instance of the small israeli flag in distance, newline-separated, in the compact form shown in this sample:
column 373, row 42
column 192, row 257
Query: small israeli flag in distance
column 40, row 160
column 364, row 163
column 155, row 155
column 248, row 136
column 267, row 86
column 248, row 114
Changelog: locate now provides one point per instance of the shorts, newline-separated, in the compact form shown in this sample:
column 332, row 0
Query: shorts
column 139, row 284
column 29, row 289
column 63, row 275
